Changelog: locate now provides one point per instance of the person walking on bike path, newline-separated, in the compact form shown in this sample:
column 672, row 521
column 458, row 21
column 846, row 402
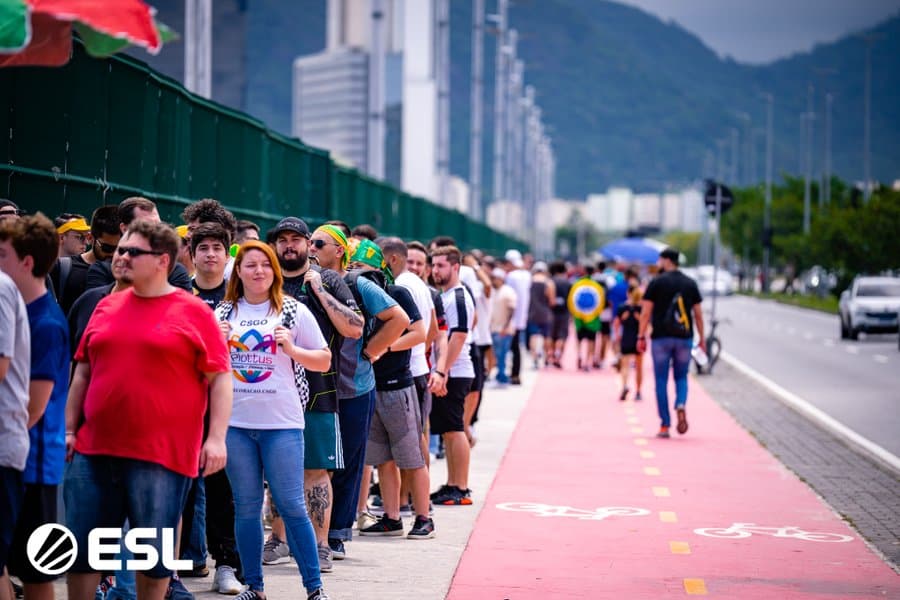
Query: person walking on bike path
column 672, row 305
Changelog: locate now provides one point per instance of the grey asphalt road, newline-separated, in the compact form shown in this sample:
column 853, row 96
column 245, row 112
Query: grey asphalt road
column 856, row 383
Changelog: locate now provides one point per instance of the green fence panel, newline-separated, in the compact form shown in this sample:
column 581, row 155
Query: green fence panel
column 128, row 137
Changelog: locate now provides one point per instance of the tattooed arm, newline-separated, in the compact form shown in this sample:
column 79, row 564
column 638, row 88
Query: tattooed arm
column 346, row 320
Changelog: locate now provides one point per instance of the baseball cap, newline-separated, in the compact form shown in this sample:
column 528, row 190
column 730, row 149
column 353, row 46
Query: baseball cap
column 291, row 224
column 539, row 267
column 498, row 273
column 515, row 257
column 73, row 225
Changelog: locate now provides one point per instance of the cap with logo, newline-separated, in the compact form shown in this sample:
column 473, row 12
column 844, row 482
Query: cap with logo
column 292, row 224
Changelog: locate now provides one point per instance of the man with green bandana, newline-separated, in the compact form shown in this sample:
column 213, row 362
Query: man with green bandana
column 356, row 382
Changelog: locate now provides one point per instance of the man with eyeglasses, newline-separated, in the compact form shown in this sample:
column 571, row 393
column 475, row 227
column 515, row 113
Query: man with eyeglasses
column 73, row 233
column 150, row 362
column 69, row 274
column 130, row 210
column 9, row 209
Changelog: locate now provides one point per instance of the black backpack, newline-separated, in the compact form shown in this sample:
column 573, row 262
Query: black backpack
column 376, row 277
column 676, row 322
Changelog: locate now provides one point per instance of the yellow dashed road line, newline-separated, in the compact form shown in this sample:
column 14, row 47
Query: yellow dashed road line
column 647, row 454
column 640, row 442
column 652, row 471
column 679, row 547
column 667, row 516
column 632, row 420
column 661, row 492
column 695, row 587
column 637, row 430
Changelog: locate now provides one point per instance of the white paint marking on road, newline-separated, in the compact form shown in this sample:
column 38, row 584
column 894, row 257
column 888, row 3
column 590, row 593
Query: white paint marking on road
column 828, row 343
column 808, row 336
column 815, row 414
column 880, row 358
column 851, row 349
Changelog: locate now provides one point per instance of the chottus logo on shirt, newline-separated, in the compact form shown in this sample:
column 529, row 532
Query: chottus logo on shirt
column 252, row 356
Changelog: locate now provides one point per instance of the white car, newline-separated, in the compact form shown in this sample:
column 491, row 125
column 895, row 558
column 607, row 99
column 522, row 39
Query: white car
column 870, row 305
column 703, row 275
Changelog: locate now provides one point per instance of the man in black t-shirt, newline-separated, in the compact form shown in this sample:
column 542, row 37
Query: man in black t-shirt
column 559, row 331
column 331, row 302
column 671, row 295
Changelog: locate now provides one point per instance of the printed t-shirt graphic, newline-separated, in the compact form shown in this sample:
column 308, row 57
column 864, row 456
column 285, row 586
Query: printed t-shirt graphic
column 265, row 394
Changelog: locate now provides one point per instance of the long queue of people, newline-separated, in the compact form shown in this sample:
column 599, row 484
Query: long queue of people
column 200, row 379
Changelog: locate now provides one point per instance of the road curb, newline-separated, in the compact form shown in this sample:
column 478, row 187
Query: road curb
column 851, row 437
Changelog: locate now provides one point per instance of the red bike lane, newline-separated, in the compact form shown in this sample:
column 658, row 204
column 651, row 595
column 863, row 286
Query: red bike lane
column 587, row 503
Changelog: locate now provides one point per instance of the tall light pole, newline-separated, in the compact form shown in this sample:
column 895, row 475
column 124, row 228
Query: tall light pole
column 477, row 105
column 377, row 68
column 500, row 77
column 443, row 107
column 735, row 153
column 826, row 196
column 198, row 47
column 767, row 212
column 810, row 116
column 869, row 39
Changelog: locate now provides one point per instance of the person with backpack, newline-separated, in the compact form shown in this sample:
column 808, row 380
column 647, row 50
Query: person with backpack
column 671, row 305
column 272, row 339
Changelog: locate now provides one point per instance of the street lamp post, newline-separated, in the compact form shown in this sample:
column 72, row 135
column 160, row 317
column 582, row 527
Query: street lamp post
column 477, row 105
column 767, row 212
column 500, row 78
column 810, row 116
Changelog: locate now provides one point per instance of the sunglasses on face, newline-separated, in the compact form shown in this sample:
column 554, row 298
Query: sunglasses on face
column 133, row 252
column 11, row 212
column 319, row 244
column 106, row 248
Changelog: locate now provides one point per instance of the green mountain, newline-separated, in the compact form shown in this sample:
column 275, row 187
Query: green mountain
column 630, row 100
column 634, row 101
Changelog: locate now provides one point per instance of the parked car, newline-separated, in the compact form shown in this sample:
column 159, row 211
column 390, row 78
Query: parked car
column 703, row 275
column 871, row 305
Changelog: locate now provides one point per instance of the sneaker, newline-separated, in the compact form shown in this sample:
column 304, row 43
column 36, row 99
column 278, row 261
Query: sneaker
column 454, row 496
column 365, row 519
column 440, row 492
column 663, row 433
column 624, row 394
column 198, row 571
column 276, row 551
column 226, row 582
column 177, row 591
column 422, row 529
column 406, row 511
column 682, row 421
column 515, row 381
column 385, row 526
column 319, row 594
column 637, row 397
column 325, row 565
column 103, row 588
column 338, row 552
column 248, row 595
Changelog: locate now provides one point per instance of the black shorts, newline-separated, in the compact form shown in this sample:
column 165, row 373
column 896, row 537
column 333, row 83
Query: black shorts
column 585, row 334
column 478, row 364
column 12, row 494
column 560, row 328
column 447, row 411
column 38, row 508
column 605, row 327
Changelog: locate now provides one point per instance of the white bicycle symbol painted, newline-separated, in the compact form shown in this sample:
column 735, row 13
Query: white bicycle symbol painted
column 598, row 514
column 745, row 530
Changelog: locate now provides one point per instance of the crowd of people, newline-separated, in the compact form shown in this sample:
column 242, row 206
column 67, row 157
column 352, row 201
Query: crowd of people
column 214, row 379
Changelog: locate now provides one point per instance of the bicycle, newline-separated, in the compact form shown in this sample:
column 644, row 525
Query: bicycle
column 713, row 350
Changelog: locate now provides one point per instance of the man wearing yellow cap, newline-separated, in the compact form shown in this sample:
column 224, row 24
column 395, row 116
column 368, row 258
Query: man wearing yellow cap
column 74, row 234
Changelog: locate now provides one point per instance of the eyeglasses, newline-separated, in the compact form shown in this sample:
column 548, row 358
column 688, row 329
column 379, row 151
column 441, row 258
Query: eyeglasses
column 106, row 248
column 319, row 244
column 11, row 212
column 133, row 252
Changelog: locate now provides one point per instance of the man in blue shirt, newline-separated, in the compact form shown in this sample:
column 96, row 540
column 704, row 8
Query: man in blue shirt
column 28, row 249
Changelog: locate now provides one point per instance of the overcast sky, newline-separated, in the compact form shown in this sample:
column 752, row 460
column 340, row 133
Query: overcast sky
column 760, row 31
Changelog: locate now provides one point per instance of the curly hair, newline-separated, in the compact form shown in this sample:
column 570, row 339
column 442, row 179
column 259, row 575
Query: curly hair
column 209, row 211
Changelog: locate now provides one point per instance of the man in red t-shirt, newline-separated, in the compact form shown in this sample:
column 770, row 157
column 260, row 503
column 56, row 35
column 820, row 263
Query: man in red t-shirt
column 134, row 418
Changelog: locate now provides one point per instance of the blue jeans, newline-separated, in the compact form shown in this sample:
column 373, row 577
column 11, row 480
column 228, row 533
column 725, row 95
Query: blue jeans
column 676, row 351
column 193, row 535
column 355, row 415
column 278, row 453
column 104, row 491
column 502, row 344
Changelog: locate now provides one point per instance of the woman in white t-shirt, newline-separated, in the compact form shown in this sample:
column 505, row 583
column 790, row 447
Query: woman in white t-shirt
column 268, row 335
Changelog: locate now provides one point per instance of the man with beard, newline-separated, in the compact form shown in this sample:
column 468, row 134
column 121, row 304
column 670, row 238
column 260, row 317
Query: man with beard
column 329, row 299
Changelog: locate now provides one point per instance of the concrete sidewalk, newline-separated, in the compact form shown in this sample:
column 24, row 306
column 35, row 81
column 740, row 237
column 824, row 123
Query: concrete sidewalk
column 398, row 568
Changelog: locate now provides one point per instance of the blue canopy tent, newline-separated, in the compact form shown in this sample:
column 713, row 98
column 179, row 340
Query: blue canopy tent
column 633, row 250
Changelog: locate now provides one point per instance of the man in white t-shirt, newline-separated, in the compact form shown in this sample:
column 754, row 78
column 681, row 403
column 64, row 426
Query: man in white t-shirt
column 447, row 411
column 519, row 279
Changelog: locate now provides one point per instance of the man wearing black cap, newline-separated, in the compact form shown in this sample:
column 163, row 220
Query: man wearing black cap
column 9, row 209
column 673, row 301
column 329, row 299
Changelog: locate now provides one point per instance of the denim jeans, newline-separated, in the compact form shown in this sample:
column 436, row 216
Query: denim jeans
column 355, row 417
column 104, row 491
column 502, row 344
column 278, row 453
column 677, row 352
column 193, row 524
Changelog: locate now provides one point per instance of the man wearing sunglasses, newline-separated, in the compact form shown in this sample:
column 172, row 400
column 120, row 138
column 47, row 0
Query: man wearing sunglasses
column 9, row 209
column 69, row 274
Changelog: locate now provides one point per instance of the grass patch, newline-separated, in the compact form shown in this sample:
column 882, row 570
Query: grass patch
column 829, row 304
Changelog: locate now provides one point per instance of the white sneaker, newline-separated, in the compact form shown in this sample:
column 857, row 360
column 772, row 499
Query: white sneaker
column 225, row 581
